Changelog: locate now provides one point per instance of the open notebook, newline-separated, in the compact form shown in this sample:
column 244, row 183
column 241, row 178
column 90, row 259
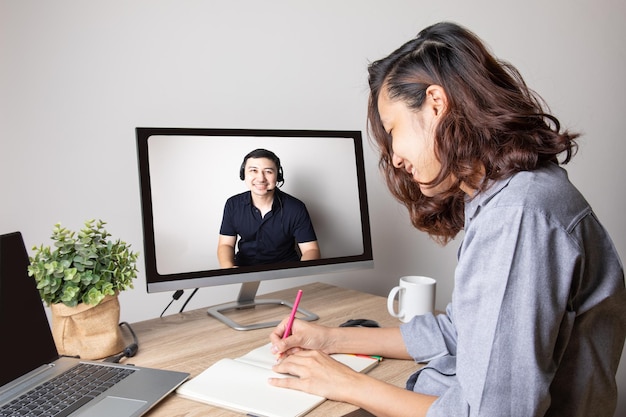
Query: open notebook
column 241, row 385
column 31, row 360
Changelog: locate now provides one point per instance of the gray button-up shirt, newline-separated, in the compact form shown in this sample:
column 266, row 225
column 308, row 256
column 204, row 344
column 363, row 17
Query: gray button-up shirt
column 537, row 320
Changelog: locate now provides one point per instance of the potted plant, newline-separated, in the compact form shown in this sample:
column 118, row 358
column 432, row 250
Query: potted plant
column 80, row 279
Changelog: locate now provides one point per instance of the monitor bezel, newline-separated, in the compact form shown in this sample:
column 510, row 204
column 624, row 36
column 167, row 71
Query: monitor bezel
column 157, row 282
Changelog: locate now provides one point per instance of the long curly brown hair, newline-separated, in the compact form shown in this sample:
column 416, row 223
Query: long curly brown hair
column 492, row 120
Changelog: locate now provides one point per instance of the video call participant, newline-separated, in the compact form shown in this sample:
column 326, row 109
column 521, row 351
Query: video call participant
column 537, row 320
column 269, row 222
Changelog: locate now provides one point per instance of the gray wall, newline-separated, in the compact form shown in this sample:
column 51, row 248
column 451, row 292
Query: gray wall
column 77, row 77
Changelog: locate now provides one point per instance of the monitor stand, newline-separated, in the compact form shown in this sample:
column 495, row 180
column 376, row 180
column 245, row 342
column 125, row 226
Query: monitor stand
column 246, row 299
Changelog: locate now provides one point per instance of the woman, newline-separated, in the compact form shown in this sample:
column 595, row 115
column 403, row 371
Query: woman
column 537, row 320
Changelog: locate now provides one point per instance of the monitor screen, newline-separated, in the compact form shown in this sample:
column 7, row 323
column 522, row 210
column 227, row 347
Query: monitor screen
column 186, row 176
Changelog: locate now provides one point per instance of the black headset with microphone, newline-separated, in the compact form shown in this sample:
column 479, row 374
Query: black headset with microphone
column 263, row 153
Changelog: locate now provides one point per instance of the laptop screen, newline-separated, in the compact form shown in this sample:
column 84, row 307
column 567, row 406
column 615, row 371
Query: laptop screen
column 23, row 322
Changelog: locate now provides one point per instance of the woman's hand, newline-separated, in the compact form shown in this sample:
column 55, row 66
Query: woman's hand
column 317, row 373
column 305, row 354
column 382, row 341
column 304, row 335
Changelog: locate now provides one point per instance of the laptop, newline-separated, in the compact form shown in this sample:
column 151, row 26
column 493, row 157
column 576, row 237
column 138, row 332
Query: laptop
column 30, row 358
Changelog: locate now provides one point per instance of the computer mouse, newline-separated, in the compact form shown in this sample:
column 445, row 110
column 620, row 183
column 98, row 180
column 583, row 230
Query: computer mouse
column 359, row 323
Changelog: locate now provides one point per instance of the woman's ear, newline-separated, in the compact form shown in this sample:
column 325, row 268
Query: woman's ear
column 436, row 96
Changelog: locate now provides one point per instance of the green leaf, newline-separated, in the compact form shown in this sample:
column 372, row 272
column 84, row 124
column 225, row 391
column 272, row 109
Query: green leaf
column 82, row 267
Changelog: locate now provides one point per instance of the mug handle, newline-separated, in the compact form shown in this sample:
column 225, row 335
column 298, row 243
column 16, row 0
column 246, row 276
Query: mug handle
column 390, row 300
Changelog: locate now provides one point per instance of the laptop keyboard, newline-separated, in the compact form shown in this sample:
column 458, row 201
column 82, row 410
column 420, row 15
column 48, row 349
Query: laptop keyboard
column 65, row 393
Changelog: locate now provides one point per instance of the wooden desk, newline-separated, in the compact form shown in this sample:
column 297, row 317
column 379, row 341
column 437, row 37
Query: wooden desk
column 192, row 341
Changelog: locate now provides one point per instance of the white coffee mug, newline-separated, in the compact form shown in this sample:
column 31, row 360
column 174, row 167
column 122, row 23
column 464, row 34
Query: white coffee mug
column 416, row 296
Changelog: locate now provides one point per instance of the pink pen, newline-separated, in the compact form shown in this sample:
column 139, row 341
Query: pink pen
column 292, row 316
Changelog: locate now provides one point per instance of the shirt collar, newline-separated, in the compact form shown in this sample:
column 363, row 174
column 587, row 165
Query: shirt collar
column 276, row 204
column 474, row 204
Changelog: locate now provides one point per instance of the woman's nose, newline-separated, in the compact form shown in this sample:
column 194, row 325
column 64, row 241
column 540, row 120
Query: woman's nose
column 396, row 161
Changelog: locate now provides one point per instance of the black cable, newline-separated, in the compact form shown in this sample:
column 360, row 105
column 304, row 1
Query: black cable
column 188, row 298
column 129, row 351
column 175, row 296
column 132, row 333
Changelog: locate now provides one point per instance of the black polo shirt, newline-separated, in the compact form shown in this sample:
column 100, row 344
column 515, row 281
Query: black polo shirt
column 269, row 239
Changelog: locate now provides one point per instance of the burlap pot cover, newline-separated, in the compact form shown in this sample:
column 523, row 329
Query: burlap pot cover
column 91, row 332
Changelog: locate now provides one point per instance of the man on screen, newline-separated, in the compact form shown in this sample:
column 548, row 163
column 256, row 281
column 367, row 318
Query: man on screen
column 270, row 223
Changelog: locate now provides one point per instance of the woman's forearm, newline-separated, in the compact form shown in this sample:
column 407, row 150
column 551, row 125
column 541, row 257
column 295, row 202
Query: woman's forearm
column 385, row 341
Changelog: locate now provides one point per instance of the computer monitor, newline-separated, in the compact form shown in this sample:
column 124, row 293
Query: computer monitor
column 187, row 174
